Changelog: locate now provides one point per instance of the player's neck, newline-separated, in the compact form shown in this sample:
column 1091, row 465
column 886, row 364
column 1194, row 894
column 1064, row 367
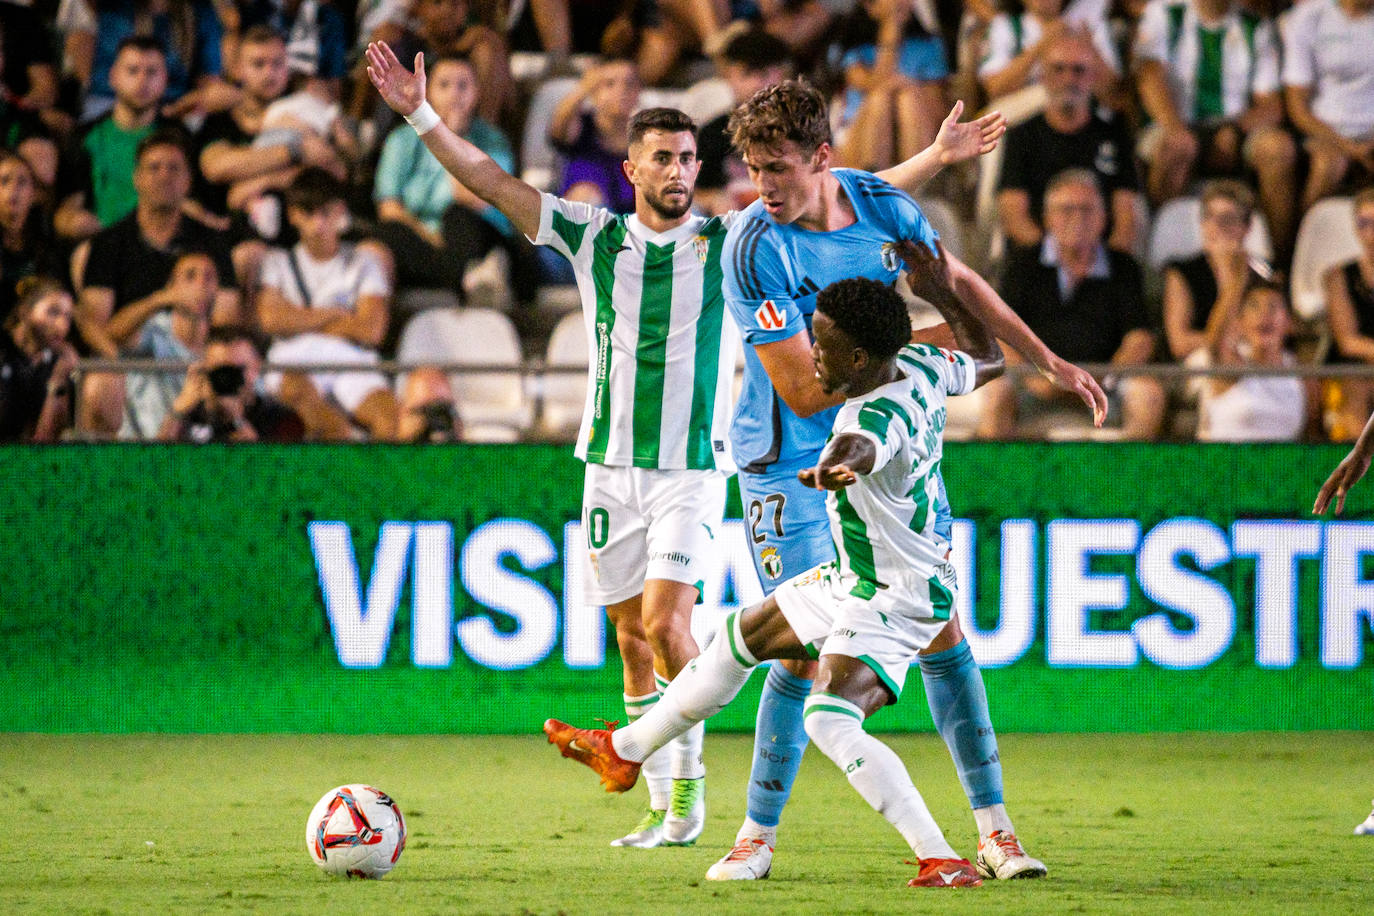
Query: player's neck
column 885, row 373
column 832, row 209
column 656, row 222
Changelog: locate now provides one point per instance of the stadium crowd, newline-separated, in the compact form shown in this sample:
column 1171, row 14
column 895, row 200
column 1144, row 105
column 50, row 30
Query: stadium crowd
column 213, row 186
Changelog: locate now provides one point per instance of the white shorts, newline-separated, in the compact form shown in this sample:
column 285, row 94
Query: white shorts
column 642, row 523
column 884, row 628
column 347, row 389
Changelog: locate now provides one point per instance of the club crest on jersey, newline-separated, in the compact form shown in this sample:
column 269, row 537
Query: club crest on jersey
column 771, row 562
column 891, row 261
column 703, row 247
column 769, row 317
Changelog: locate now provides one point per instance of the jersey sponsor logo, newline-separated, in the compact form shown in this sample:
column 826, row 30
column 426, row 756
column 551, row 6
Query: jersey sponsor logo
column 769, row 317
column 771, row 562
column 671, row 556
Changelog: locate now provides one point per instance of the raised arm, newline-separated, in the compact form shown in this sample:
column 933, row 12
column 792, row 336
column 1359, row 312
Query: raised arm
column 928, row 275
column 844, row 458
column 988, row 307
column 405, row 93
column 1347, row 473
column 955, row 142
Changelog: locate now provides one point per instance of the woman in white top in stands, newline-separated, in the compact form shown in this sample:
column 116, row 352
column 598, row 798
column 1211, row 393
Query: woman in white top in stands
column 1248, row 328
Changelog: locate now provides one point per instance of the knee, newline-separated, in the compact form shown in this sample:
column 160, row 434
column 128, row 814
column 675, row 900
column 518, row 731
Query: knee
column 1178, row 148
column 1272, row 151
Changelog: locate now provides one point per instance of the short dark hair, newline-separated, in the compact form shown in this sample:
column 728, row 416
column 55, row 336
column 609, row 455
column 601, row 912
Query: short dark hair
column 140, row 43
column 664, row 120
column 163, row 136
column 232, row 333
column 791, row 110
column 261, row 34
column 314, row 188
column 870, row 312
column 755, row 49
column 450, row 57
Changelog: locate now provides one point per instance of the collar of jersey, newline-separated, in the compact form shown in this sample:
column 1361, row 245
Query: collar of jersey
column 689, row 228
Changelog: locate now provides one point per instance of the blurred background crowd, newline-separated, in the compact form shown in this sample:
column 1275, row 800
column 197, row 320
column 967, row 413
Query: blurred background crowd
column 196, row 195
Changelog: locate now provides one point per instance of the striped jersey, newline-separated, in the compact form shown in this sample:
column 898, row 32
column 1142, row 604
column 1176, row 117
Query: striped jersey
column 1213, row 71
column 884, row 524
column 661, row 355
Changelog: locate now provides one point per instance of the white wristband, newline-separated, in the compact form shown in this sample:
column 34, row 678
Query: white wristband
column 423, row 119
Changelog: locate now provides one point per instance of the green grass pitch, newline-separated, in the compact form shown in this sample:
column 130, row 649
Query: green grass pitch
column 1209, row 823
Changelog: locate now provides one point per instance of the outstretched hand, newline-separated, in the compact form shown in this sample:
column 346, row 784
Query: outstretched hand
column 833, row 477
column 1071, row 378
column 958, row 141
column 1346, row 475
column 399, row 88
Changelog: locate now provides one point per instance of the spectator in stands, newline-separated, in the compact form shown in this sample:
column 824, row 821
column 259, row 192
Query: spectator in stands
column 188, row 32
column 669, row 29
column 592, row 141
column 26, row 243
column 1072, row 131
column 1208, row 76
column 1350, row 309
column 133, row 260
column 28, row 66
column 428, row 412
column 1017, row 41
column 220, row 400
column 23, row 127
column 433, row 225
column 1328, row 79
column 445, row 27
column 36, row 364
column 170, row 327
column 749, row 62
column 1193, row 285
column 803, row 24
column 1085, row 301
column 327, row 301
column 98, row 180
column 1248, row 328
column 894, row 74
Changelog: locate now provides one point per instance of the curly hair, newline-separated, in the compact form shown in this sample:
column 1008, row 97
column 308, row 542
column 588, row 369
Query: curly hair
column 870, row 312
column 791, row 110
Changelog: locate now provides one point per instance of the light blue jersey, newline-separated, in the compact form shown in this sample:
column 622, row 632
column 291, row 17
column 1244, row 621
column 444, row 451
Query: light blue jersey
column 772, row 275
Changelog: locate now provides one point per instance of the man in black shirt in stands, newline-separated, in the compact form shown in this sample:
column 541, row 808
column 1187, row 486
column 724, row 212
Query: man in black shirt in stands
column 1086, row 302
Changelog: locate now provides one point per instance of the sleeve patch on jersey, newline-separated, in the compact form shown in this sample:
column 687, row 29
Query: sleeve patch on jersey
column 769, row 317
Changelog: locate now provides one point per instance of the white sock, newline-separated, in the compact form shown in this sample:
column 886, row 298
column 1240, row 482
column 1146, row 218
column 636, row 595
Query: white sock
column 656, row 768
column 698, row 692
column 991, row 819
column 836, row 727
column 686, row 749
column 753, row 830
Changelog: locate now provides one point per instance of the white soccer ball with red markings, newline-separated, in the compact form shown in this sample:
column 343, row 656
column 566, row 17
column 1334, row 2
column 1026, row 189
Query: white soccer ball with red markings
column 356, row 831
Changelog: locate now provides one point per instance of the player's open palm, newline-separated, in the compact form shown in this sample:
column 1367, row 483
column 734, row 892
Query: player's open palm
column 1079, row 381
column 1347, row 473
column 402, row 90
column 958, row 140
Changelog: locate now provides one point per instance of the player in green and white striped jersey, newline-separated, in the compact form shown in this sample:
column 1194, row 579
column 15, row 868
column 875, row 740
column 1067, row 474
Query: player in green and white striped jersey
column 660, row 370
column 889, row 595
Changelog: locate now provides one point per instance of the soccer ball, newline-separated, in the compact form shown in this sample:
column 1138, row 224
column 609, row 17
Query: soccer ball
column 356, row 831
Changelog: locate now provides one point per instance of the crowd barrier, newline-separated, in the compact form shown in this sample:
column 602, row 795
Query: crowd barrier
column 423, row 589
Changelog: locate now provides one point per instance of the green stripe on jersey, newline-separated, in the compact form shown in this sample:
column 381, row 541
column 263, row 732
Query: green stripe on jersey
column 651, row 352
column 941, row 599
column 928, row 372
column 570, row 232
column 854, row 536
column 921, row 498
column 603, row 279
column 1207, row 100
column 700, row 455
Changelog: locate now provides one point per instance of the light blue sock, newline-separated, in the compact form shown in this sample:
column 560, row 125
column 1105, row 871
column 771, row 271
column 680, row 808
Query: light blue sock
column 959, row 706
column 779, row 740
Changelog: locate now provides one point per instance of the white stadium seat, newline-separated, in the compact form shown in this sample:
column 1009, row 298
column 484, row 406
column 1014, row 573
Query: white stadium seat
column 565, row 393
column 1326, row 238
column 493, row 405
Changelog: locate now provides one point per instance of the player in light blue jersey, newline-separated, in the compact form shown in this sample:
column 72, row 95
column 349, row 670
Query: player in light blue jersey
column 811, row 226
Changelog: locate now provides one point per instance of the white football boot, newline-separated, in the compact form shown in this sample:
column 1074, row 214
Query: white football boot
column 1366, row 828
column 1000, row 856
column 751, row 859
column 686, row 812
column 647, row 834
